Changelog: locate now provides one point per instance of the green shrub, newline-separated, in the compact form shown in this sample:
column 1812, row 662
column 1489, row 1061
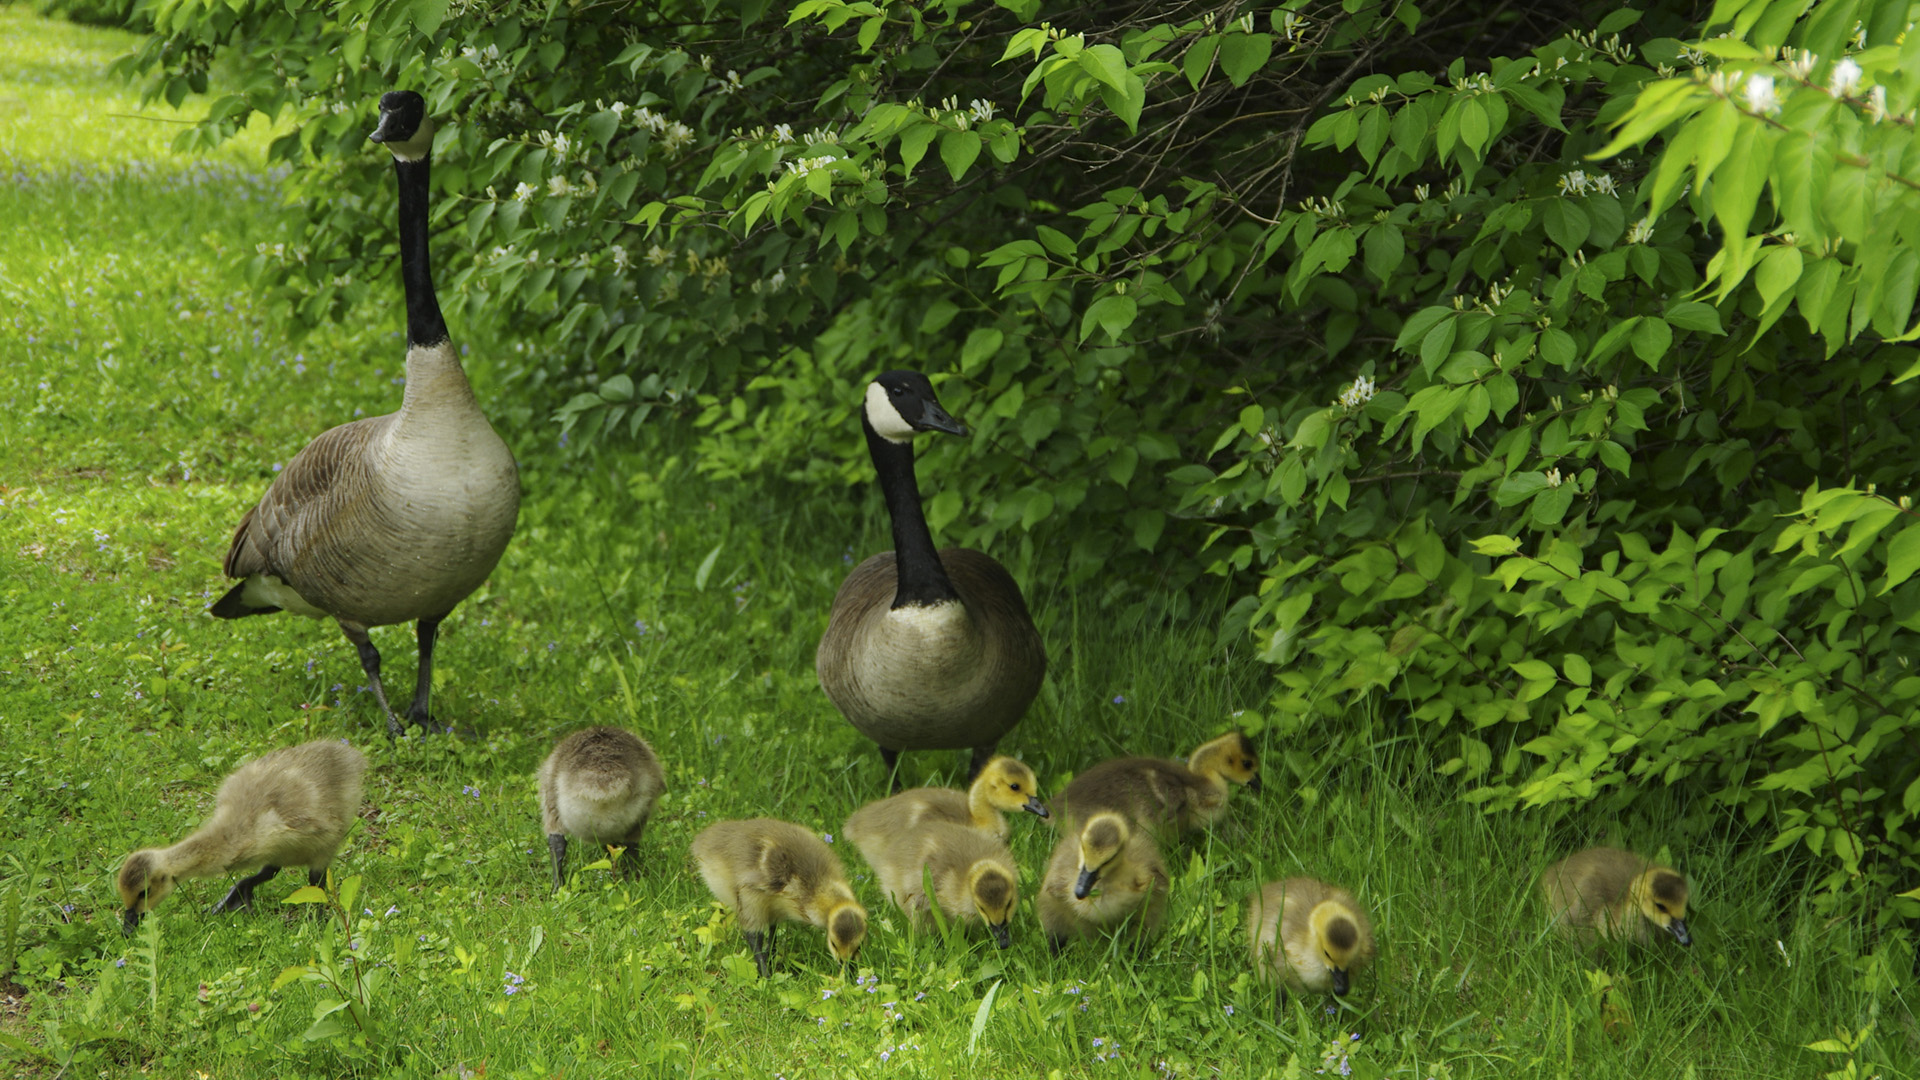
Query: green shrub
column 1596, row 499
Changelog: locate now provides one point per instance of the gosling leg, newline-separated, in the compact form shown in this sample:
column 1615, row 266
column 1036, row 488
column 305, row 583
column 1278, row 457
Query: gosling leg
column 427, row 631
column 370, row 663
column 240, row 897
column 630, row 860
column 557, row 845
column 762, row 961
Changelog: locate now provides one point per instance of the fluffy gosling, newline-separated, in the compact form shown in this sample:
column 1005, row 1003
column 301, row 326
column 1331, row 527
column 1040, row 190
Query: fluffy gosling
column 1165, row 796
column 1605, row 892
column 1307, row 935
column 599, row 785
column 1100, row 878
column 766, row 870
column 289, row 807
column 1003, row 784
column 974, row 877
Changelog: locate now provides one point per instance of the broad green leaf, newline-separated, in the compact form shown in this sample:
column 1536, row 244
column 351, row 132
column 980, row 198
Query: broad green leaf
column 959, row 149
column 1111, row 313
column 1243, row 54
column 1651, row 339
column 1903, row 557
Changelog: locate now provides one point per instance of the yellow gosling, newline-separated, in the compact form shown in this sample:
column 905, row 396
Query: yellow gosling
column 767, row 871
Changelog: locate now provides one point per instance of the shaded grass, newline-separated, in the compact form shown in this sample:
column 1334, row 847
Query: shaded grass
column 147, row 414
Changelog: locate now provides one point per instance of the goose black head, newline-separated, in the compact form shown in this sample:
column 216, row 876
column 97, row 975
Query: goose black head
column 404, row 127
column 901, row 404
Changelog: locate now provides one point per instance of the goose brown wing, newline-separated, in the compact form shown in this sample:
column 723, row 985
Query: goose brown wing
column 313, row 491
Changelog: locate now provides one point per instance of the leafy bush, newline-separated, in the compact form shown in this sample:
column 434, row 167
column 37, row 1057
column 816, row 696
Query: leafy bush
column 1597, row 496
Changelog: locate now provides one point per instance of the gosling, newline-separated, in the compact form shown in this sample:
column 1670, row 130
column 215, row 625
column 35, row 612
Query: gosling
column 974, row 877
column 289, row 807
column 1308, row 936
column 1099, row 879
column 766, row 870
column 1605, row 892
column 1003, row 784
column 1164, row 796
column 600, row 785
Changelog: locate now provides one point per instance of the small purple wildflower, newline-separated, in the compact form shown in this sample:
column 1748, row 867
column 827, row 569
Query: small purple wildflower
column 512, row 983
column 391, row 911
column 122, row 962
column 828, row 837
column 470, row 790
column 1229, row 1009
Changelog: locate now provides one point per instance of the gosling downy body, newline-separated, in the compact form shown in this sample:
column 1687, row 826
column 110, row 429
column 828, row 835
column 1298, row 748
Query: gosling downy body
column 1307, row 935
column 768, row 871
column 1104, row 876
column 974, row 876
column 1164, row 796
column 599, row 785
column 925, row 650
column 394, row 518
column 1605, row 892
column 289, row 807
column 1004, row 784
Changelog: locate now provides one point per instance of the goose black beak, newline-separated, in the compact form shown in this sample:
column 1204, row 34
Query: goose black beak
column 1001, row 938
column 1085, row 885
column 383, row 132
column 1035, row 806
column 1253, row 785
column 935, row 418
column 1678, row 928
column 1340, row 983
column 130, row 921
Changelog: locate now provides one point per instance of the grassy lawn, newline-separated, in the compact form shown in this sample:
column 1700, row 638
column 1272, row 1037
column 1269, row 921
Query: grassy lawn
column 148, row 399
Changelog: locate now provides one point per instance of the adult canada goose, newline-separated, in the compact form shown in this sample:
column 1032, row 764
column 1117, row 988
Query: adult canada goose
column 1609, row 893
column 600, row 785
column 766, row 870
column 394, row 518
column 974, row 876
column 1100, row 877
column 925, row 650
column 1005, row 784
column 290, row 807
column 1164, row 796
column 1307, row 935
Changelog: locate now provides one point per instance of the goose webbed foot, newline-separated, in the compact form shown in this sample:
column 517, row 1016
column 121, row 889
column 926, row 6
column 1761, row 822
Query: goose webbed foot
column 240, row 897
column 427, row 631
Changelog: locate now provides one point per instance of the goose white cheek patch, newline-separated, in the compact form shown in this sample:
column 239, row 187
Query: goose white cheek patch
column 886, row 419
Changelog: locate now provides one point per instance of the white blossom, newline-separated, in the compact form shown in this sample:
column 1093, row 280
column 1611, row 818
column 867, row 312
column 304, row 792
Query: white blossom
column 621, row 260
column 619, row 108
column 650, row 120
column 783, row 133
column 677, row 135
column 1800, row 63
column 1358, row 394
column 558, row 185
column 1759, row 94
column 524, row 192
column 982, row 109
column 658, row 256
column 1640, row 232
column 1877, row 104
column 1845, row 78
column 777, row 281
column 1553, row 478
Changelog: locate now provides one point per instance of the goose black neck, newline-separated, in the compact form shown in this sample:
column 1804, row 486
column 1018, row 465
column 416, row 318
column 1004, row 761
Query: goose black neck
column 922, row 580
column 424, row 324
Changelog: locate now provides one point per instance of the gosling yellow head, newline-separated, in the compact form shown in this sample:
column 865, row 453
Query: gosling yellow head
column 1101, row 840
column 846, row 929
column 1230, row 756
column 1008, row 784
column 995, row 895
column 1662, row 896
column 1336, row 933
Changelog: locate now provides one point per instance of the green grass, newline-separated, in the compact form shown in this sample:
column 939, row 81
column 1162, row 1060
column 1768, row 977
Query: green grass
column 148, row 397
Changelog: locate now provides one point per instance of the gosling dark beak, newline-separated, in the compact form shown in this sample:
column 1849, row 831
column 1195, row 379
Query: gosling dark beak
column 1035, row 806
column 1085, row 885
column 1001, row 938
column 935, row 418
column 1340, row 983
column 1678, row 928
column 1253, row 785
column 130, row 921
column 382, row 132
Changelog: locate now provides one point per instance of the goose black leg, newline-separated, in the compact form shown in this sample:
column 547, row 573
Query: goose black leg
column 981, row 755
column 557, row 844
column 370, row 663
column 427, row 630
column 240, row 897
column 891, row 759
column 630, row 861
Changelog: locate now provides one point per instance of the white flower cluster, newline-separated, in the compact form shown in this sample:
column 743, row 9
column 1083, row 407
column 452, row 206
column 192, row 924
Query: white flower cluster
column 621, row 260
column 982, row 110
column 783, row 133
column 1358, row 394
column 1554, row 479
column 806, row 165
column 1760, row 96
column 1640, row 231
column 524, row 192
column 1578, row 182
column 658, row 256
column 281, row 253
column 1844, row 79
column 560, row 145
column 487, row 59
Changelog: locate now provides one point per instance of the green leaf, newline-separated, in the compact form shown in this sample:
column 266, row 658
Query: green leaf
column 1651, row 339
column 1519, row 487
column 307, row 894
column 429, row 14
column 913, row 144
column 1243, row 54
column 982, row 345
column 1199, row 58
column 1385, row 247
column 1535, row 669
column 1112, row 313
column 706, row 567
column 1779, row 269
column 1579, row 672
column 1693, row 315
column 1903, row 557
column 1105, row 63
column 959, row 149
column 984, row 1012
